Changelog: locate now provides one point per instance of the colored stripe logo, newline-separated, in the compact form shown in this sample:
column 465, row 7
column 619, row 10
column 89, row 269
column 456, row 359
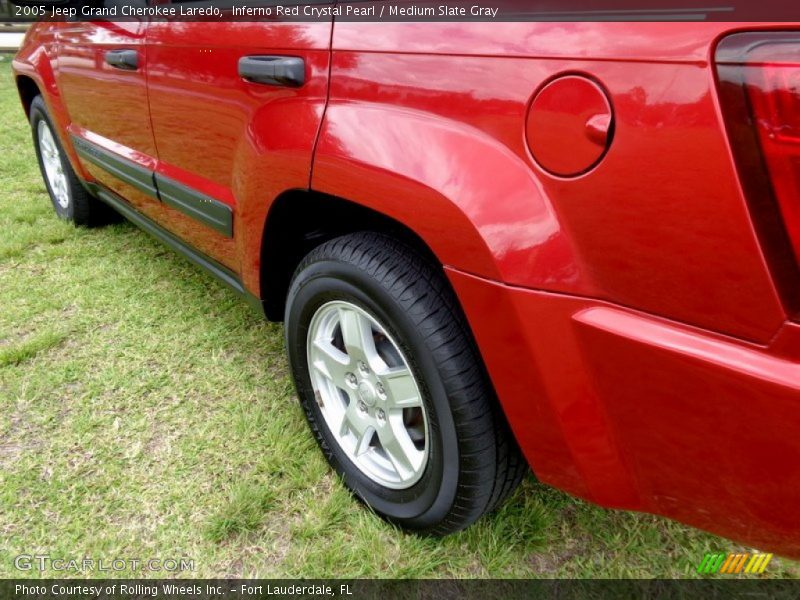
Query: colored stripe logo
column 734, row 563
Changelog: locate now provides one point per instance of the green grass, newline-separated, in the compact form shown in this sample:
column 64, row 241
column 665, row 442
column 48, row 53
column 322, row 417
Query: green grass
column 146, row 412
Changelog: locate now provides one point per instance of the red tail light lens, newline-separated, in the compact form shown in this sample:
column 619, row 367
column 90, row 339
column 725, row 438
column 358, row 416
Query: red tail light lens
column 773, row 88
column 759, row 78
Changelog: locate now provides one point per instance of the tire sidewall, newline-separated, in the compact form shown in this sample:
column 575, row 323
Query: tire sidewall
column 430, row 499
column 39, row 113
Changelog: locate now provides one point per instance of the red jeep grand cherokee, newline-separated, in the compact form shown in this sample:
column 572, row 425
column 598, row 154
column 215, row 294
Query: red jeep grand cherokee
column 576, row 242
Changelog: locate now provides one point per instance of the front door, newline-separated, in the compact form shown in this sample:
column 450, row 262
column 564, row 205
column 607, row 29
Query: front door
column 224, row 128
column 102, row 78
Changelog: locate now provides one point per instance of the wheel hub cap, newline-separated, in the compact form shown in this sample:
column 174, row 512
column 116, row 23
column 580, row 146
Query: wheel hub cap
column 366, row 393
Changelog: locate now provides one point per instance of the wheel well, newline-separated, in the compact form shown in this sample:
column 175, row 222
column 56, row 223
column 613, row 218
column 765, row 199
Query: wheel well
column 28, row 90
column 301, row 220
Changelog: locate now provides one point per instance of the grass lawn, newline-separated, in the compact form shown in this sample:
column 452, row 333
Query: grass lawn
column 146, row 412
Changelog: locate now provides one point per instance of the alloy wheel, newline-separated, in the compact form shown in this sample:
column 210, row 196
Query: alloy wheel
column 368, row 395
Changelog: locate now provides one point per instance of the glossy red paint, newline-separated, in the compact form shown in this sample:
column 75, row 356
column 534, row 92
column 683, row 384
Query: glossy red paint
column 629, row 316
column 626, row 409
column 37, row 62
column 266, row 132
column 105, row 105
column 629, row 231
column 570, row 125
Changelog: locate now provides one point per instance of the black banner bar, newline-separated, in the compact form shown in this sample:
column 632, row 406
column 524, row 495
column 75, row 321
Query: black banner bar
column 243, row 589
column 399, row 11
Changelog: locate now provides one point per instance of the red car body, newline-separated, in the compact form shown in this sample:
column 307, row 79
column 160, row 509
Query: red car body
column 636, row 318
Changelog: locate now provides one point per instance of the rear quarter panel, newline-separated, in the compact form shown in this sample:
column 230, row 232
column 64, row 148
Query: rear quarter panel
column 627, row 405
column 431, row 121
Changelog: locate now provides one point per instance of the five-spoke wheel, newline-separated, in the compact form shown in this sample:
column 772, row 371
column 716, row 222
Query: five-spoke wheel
column 367, row 394
column 70, row 199
column 392, row 384
column 53, row 166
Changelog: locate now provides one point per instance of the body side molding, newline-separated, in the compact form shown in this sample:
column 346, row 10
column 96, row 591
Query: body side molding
column 122, row 168
column 205, row 209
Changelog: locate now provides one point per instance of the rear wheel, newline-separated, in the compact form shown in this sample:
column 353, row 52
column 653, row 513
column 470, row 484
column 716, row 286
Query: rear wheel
column 393, row 387
column 70, row 200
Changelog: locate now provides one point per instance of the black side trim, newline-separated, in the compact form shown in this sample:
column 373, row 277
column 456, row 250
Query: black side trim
column 173, row 242
column 205, row 209
column 198, row 206
column 121, row 168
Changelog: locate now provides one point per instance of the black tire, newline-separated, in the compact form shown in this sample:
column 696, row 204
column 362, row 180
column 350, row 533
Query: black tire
column 82, row 209
column 474, row 461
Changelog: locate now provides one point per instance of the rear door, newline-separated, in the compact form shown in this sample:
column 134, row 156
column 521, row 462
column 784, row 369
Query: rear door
column 101, row 75
column 226, row 131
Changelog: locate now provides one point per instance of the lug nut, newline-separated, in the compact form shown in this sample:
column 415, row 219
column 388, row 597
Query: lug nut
column 362, row 406
column 381, row 415
column 351, row 379
column 362, row 366
column 381, row 391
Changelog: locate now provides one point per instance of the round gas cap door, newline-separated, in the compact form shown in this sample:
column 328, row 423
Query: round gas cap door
column 570, row 125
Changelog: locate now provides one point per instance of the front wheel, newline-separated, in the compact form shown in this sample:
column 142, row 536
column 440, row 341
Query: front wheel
column 70, row 200
column 393, row 387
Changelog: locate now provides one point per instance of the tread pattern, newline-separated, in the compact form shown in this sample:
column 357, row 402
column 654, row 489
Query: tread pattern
column 491, row 463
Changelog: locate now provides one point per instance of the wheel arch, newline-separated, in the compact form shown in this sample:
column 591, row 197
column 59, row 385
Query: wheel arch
column 28, row 90
column 474, row 196
column 35, row 76
column 465, row 197
column 300, row 220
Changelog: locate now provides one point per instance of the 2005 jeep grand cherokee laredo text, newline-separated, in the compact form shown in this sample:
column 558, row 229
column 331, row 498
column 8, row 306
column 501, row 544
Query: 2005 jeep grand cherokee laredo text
column 573, row 243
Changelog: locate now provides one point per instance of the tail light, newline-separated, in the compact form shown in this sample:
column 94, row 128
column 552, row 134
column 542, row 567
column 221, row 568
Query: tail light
column 759, row 84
